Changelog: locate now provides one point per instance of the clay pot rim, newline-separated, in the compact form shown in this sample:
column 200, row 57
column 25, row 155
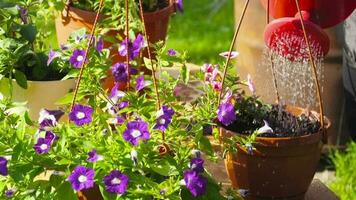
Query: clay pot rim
column 287, row 141
column 50, row 81
column 79, row 14
column 159, row 14
column 86, row 15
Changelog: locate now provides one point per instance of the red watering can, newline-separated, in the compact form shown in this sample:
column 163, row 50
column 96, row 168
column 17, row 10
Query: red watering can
column 285, row 35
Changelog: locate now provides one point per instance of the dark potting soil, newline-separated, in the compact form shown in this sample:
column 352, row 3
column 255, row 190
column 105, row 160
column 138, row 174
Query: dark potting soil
column 283, row 123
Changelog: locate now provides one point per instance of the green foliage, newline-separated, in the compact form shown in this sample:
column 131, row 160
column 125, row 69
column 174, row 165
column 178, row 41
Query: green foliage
column 345, row 184
column 24, row 31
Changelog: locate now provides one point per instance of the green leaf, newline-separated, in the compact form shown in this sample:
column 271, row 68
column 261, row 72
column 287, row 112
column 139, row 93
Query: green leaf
column 29, row 32
column 65, row 191
column 164, row 168
column 21, row 79
column 184, row 72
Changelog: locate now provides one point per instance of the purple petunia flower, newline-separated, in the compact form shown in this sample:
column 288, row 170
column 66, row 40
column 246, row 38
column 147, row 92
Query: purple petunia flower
column 81, row 178
column 64, row 47
column 226, row 113
column 10, row 192
column 226, row 54
column 135, row 131
column 164, row 118
column 43, row 145
column 49, row 118
column 207, row 68
column 116, row 182
column 134, row 47
column 77, row 58
column 119, row 71
column 123, row 104
column 195, row 183
column 3, row 166
column 51, row 56
column 197, row 164
column 81, row 114
column 141, row 83
column 93, row 156
column 46, row 120
column 249, row 148
column 179, row 4
column 171, row 52
column 99, row 44
column 23, row 14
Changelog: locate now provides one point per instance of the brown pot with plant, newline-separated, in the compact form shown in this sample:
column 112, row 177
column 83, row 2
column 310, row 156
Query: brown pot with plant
column 277, row 165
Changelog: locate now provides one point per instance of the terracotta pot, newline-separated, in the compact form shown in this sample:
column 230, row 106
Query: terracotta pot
column 90, row 194
column 72, row 19
column 279, row 168
column 39, row 94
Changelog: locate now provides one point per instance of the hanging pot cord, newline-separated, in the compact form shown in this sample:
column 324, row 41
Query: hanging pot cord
column 152, row 67
column 84, row 64
column 312, row 62
column 271, row 59
column 231, row 48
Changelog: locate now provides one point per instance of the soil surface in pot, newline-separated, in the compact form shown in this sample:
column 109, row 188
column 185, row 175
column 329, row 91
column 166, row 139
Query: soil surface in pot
column 283, row 123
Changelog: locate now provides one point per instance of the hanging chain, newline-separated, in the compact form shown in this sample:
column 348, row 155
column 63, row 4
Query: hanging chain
column 127, row 43
column 151, row 61
column 84, row 64
column 231, row 48
column 312, row 62
column 150, row 55
column 271, row 58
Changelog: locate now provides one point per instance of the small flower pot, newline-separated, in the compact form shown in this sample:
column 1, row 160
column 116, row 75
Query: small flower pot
column 39, row 94
column 279, row 168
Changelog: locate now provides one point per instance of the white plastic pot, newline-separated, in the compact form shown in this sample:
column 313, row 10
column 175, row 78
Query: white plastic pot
column 39, row 94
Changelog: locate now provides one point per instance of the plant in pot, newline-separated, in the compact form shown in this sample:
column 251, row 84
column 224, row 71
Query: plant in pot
column 270, row 150
column 122, row 145
column 24, row 59
column 81, row 14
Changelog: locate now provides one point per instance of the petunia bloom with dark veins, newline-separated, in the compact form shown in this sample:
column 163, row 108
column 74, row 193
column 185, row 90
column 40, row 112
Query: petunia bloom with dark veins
column 82, row 178
column 116, row 182
column 141, row 83
column 136, row 131
column 10, row 192
column 51, row 56
column 81, row 114
column 197, row 164
column 49, row 118
column 99, row 44
column 133, row 48
column 43, row 145
column 164, row 118
column 195, row 183
column 171, row 52
column 119, row 71
column 179, row 4
column 77, row 58
column 93, row 156
column 226, row 113
column 3, row 166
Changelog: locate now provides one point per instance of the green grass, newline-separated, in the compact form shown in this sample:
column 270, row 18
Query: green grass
column 345, row 184
column 202, row 32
